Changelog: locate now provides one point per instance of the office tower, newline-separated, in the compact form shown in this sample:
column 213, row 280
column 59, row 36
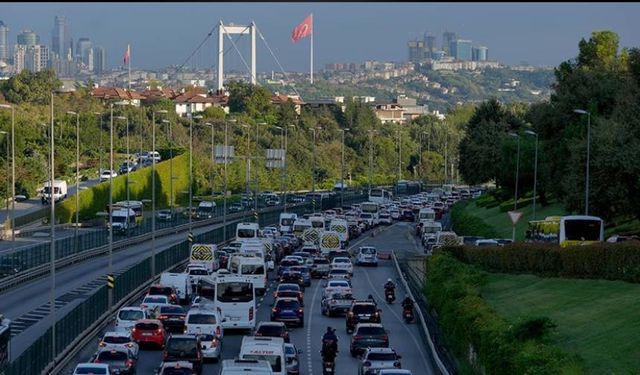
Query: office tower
column 61, row 43
column 416, row 50
column 4, row 42
column 28, row 38
column 83, row 47
column 31, row 57
column 429, row 44
column 19, row 56
column 460, row 49
column 447, row 38
column 99, row 60
column 480, row 53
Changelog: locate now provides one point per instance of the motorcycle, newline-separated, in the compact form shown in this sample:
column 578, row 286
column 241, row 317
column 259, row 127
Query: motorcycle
column 390, row 295
column 408, row 314
column 329, row 352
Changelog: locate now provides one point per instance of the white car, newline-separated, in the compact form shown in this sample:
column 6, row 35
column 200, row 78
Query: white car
column 128, row 316
column 106, row 174
column 92, row 368
column 336, row 285
column 152, row 302
column 119, row 340
column 296, row 257
column 486, row 243
column 374, row 359
column 385, row 218
column 367, row 255
column 342, row 263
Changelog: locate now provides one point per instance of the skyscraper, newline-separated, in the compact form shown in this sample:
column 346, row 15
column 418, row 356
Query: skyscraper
column 416, row 50
column 28, row 38
column 447, row 38
column 480, row 53
column 31, row 57
column 61, row 42
column 99, row 60
column 429, row 44
column 4, row 42
column 83, row 47
column 460, row 49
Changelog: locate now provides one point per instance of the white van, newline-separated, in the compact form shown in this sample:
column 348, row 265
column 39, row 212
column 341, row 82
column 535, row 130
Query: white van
column 204, row 319
column 270, row 349
column 206, row 210
column 252, row 267
column 300, row 225
column 286, row 222
column 247, row 232
column 123, row 220
column 245, row 367
column 318, row 222
column 179, row 282
column 59, row 191
column 204, row 254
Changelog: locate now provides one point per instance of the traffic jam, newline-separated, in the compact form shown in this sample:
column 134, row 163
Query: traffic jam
column 188, row 315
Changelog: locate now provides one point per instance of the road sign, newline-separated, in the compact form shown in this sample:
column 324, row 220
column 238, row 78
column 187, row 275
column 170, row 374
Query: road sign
column 111, row 281
column 514, row 216
column 190, row 237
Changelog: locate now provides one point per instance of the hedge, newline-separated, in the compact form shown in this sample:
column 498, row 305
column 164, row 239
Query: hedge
column 465, row 224
column 96, row 198
column 609, row 261
column 470, row 325
column 508, row 205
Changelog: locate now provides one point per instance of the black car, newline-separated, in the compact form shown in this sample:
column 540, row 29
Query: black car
column 362, row 312
column 273, row 329
column 172, row 318
column 184, row 348
column 407, row 215
column 292, row 277
column 368, row 335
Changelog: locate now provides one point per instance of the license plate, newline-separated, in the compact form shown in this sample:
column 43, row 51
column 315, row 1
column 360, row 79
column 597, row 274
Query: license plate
column 287, row 311
column 147, row 334
column 367, row 316
column 235, row 318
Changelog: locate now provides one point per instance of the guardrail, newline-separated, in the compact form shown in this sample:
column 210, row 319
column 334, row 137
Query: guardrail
column 441, row 366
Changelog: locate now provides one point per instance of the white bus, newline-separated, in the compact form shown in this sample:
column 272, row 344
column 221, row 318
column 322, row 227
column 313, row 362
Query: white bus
column 426, row 214
column 371, row 208
column 234, row 297
column 381, row 196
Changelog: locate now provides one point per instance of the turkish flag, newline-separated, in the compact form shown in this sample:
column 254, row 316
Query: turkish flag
column 303, row 30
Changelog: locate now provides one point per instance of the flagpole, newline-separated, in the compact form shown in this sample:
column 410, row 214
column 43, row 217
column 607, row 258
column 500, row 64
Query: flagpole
column 129, row 64
column 311, row 68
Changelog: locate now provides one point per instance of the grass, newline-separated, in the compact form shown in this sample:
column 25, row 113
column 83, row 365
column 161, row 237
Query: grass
column 596, row 319
column 501, row 223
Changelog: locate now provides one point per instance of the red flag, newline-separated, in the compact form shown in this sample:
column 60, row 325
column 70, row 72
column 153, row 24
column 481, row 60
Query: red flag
column 127, row 53
column 303, row 30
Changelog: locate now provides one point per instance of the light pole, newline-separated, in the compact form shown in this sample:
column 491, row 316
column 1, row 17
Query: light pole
column 128, row 163
column 286, row 174
column 313, row 180
column 110, row 270
column 153, row 190
column 77, row 176
column 515, row 201
column 535, row 171
column 100, row 142
column 399, row 162
column 191, row 117
column 342, row 169
column 52, row 247
column 13, row 173
column 256, row 173
column 164, row 121
column 226, row 154
column 247, row 176
column 586, row 188
column 213, row 157
column 282, row 170
column 371, row 131
column 6, row 134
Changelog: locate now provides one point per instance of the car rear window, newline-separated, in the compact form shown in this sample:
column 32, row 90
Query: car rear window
column 339, row 270
column 270, row 330
column 147, row 326
column 288, row 304
column 364, row 309
column 198, row 272
column 177, row 371
column 130, row 315
column 381, row 357
column 371, row 331
column 112, row 356
column 155, row 300
column 201, row 319
column 341, row 260
column 116, row 339
column 288, row 288
column 172, row 310
column 164, row 290
column 320, row 261
column 183, row 344
column 91, row 370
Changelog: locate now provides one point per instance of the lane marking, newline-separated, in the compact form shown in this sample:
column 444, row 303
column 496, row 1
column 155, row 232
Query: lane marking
column 309, row 326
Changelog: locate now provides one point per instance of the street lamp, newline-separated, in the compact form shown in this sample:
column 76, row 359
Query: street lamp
column 282, row 170
column 191, row 117
column 371, row 131
column 342, row 169
column 153, row 190
column 586, row 189
column 6, row 134
column 13, row 172
column 257, row 181
column 99, row 114
column 226, row 155
column 535, row 171
column 164, row 121
column 515, row 201
column 213, row 160
column 247, row 169
column 128, row 163
column 286, row 175
column 313, row 180
column 77, row 176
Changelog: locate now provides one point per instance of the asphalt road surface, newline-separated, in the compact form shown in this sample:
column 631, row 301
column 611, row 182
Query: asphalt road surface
column 404, row 338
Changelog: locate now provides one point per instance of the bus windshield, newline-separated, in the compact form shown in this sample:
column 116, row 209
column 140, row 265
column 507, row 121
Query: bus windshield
column 287, row 222
column 234, row 292
column 246, row 233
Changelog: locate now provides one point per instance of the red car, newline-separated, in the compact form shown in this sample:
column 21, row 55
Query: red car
column 149, row 331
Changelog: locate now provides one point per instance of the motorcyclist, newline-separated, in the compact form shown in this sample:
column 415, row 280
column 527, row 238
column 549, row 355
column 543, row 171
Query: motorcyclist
column 407, row 303
column 330, row 335
column 389, row 285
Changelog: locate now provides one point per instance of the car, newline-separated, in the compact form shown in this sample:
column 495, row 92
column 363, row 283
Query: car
column 294, row 277
column 211, row 346
column 175, row 368
column 126, row 167
column 149, row 331
column 483, row 243
column 165, row 290
column 342, row 263
column 368, row 335
column 375, row 359
column 128, row 316
column 385, row 218
column 335, row 285
column 151, row 303
column 272, row 329
column 166, row 215
column 320, row 268
column 407, row 215
column 305, row 272
column 288, row 310
column 360, row 312
column 338, row 302
column 119, row 340
column 272, row 202
column 92, row 368
column 172, row 317
column 305, row 255
column 236, row 207
column 184, row 348
column 289, row 290
column 286, row 263
column 396, row 371
column 291, row 355
column 120, row 361
column 107, row 174
column 339, row 273
column 367, row 255
column 503, row 241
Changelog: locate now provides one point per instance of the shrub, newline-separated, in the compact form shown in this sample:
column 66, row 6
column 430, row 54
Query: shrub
column 533, row 328
column 508, row 205
column 468, row 225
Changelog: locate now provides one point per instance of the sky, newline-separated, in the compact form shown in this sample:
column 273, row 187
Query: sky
column 163, row 34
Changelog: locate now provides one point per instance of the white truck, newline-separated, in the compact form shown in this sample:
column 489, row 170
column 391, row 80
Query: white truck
column 204, row 254
column 341, row 227
column 179, row 282
column 123, row 219
column 206, row 210
column 59, row 191
column 329, row 240
column 286, row 222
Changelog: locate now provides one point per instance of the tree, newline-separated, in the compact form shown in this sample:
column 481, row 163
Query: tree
column 31, row 87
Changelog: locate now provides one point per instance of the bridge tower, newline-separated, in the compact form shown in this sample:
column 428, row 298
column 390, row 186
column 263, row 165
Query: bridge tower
column 232, row 29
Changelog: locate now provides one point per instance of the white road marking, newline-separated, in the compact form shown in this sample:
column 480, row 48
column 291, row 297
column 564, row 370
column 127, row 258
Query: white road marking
column 309, row 325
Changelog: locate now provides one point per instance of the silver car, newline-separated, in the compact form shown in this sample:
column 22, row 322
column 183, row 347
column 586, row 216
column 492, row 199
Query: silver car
column 291, row 355
column 376, row 359
column 119, row 340
column 211, row 346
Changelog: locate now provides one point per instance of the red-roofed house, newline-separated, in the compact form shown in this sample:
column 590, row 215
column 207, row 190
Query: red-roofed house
column 116, row 93
column 196, row 101
column 279, row 99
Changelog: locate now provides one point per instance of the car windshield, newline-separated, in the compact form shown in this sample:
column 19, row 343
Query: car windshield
column 182, row 344
column 371, row 331
column 270, row 330
column 147, row 326
column 288, row 287
column 234, row 292
column 155, row 300
column 201, row 319
column 381, row 357
column 112, row 356
column 364, row 309
column 116, row 339
column 130, row 315
column 341, row 260
column 91, row 370
column 290, row 349
column 335, row 284
column 287, row 222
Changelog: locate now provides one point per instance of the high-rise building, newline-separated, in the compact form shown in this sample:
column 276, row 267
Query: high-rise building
column 61, row 42
column 31, row 57
column 480, row 53
column 28, row 38
column 19, row 56
column 429, row 44
column 460, row 49
column 416, row 50
column 83, row 47
column 4, row 42
column 99, row 60
column 447, row 38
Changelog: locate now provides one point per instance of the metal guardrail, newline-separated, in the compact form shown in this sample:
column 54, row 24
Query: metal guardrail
column 441, row 366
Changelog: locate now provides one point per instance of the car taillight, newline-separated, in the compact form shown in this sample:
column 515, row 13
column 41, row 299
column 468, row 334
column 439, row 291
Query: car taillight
column 301, row 310
column 214, row 343
column 129, row 363
column 367, row 364
column 251, row 313
column 396, row 364
column 159, row 330
column 102, row 344
column 163, row 317
column 275, row 309
column 358, row 337
column 133, row 330
column 350, row 314
column 258, row 334
column 275, row 294
column 129, row 345
column 218, row 331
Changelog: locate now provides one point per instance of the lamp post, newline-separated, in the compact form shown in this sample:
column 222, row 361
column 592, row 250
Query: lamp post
column 6, row 134
column 282, row 170
column 257, row 156
column 13, row 172
column 213, row 157
column 286, row 174
column 100, row 143
column 128, row 163
column 110, row 270
column 52, row 248
column 399, row 162
column 164, row 121
column 371, row 131
column 535, row 171
column 191, row 117
column 342, row 169
column 586, row 188
column 77, row 176
column 515, row 201
column 313, row 180
column 153, row 190
column 226, row 162
column 247, row 176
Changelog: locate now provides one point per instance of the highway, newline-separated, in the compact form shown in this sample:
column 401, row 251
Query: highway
column 405, row 338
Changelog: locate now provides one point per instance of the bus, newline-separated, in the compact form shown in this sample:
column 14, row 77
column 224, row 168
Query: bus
column 567, row 230
column 252, row 267
column 406, row 187
column 370, row 208
column 234, row 297
column 380, row 196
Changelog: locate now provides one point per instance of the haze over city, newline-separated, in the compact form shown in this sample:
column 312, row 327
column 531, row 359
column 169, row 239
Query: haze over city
column 166, row 33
